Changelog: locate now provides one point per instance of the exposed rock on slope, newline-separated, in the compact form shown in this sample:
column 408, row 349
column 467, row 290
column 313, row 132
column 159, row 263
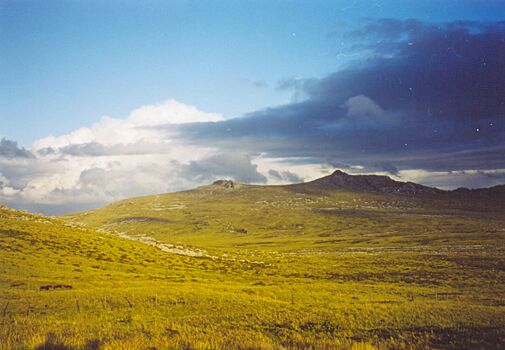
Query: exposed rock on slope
column 224, row 183
column 370, row 183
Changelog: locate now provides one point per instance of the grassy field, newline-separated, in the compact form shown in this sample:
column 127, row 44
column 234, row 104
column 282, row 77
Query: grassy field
column 257, row 268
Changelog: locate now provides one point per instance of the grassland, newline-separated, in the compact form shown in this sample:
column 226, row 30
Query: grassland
column 276, row 268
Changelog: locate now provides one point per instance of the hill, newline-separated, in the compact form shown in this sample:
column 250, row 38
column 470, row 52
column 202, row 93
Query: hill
column 330, row 264
column 233, row 215
column 339, row 180
column 65, row 287
column 380, row 184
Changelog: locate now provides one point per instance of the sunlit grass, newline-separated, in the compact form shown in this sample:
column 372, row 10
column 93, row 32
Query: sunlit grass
column 284, row 270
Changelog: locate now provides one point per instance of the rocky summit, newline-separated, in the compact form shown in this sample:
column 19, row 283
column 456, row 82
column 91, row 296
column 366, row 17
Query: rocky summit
column 340, row 180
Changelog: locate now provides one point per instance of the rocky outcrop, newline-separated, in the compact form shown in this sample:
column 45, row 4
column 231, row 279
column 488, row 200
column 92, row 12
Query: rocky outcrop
column 224, row 183
column 371, row 183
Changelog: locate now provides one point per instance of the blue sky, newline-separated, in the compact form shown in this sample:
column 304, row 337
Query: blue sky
column 64, row 64
column 104, row 100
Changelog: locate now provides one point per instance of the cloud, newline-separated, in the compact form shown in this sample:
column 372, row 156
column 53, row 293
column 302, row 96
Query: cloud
column 5, row 189
column 424, row 102
column 230, row 165
column 285, row 176
column 363, row 107
column 422, row 96
column 10, row 149
column 116, row 158
column 139, row 127
column 95, row 149
column 171, row 112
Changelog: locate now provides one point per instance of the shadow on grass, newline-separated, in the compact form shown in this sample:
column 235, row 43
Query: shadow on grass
column 53, row 342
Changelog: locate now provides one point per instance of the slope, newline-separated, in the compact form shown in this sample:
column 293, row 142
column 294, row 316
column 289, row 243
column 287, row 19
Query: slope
column 281, row 267
column 333, row 213
column 65, row 287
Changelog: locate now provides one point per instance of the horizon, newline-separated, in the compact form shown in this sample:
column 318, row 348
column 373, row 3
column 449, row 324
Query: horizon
column 216, row 182
column 339, row 171
column 102, row 101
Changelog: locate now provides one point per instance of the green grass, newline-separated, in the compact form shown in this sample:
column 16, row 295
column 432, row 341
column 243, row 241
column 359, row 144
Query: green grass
column 284, row 269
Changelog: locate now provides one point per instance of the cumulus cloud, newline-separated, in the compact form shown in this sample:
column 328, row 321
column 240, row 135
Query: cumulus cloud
column 116, row 158
column 171, row 112
column 138, row 127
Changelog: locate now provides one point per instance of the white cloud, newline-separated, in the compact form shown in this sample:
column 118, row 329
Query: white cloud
column 362, row 105
column 117, row 158
column 170, row 112
column 136, row 128
column 362, row 109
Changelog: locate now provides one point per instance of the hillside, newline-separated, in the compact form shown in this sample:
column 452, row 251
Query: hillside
column 336, row 212
column 339, row 180
column 63, row 287
column 322, row 265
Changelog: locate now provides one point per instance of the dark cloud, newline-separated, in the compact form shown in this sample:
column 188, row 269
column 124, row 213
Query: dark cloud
column 230, row 165
column 427, row 96
column 10, row 149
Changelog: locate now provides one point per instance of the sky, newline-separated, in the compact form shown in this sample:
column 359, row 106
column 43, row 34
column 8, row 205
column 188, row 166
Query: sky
column 104, row 100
